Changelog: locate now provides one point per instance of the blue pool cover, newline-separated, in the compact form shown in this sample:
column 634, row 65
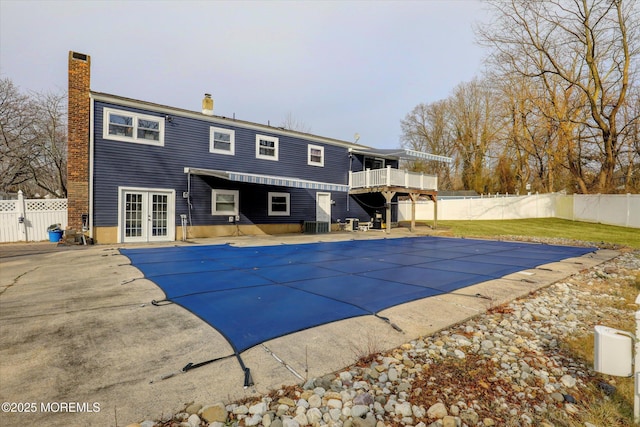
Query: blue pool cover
column 253, row 294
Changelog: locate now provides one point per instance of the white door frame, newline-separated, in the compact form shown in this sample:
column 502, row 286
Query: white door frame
column 320, row 212
column 146, row 235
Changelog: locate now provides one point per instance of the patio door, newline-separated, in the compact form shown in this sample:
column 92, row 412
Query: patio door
column 323, row 207
column 146, row 215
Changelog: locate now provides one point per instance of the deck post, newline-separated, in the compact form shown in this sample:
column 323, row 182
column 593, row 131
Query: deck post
column 413, row 197
column 388, row 195
column 435, row 211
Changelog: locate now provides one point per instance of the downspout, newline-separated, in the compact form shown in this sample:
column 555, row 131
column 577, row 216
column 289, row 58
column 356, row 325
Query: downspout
column 189, row 196
column 91, row 118
column 349, row 177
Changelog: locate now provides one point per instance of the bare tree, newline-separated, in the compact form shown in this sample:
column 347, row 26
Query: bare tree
column 586, row 48
column 475, row 127
column 427, row 128
column 290, row 122
column 32, row 141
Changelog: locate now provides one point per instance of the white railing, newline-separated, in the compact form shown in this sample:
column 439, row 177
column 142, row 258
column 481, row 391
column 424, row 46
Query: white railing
column 390, row 177
column 27, row 220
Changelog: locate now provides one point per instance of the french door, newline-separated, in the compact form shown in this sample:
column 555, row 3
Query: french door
column 147, row 215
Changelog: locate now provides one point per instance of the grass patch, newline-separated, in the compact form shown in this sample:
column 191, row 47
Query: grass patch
column 546, row 227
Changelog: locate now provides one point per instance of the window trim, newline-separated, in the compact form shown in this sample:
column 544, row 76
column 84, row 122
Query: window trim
column 287, row 196
column 232, row 141
column 136, row 117
column 236, row 207
column 276, row 143
column 316, row 147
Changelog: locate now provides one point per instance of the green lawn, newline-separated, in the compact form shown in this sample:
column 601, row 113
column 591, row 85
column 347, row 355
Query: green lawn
column 546, row 227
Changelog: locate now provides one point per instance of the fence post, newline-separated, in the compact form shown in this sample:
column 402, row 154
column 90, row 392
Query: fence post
column 22, row 219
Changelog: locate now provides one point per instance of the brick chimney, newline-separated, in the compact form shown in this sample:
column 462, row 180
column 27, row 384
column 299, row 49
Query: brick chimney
column 78, row 139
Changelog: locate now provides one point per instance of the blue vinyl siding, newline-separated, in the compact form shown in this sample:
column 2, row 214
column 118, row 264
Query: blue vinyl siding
column 186, row 144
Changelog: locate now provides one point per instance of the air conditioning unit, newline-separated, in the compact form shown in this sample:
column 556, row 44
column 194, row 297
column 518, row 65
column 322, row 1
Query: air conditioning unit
column 351, row 224
column 613, row 353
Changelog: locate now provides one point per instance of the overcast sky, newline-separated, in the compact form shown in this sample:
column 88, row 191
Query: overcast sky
column 338, row 67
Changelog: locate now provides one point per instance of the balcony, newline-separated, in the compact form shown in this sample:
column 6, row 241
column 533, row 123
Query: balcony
column 399, row 180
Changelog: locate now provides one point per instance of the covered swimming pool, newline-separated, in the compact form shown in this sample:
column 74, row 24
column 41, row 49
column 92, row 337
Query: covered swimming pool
column 253, row 294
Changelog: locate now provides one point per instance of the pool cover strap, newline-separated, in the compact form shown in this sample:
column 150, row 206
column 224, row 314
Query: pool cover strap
column 248, row 380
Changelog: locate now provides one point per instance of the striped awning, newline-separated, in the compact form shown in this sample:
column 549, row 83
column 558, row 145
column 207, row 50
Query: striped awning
column 404, row 153
column 277, row 181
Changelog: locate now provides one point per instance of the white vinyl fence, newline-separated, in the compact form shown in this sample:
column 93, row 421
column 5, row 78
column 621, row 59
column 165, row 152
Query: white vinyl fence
column 612, row 209
column 27, row 220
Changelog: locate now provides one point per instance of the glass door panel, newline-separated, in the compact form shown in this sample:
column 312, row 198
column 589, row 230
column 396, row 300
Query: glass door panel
column 159, row 216
column 133, row 214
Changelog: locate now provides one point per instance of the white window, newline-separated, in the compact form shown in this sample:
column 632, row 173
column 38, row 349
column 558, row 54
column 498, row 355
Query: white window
column 315, row 155
column 278, row 204
column 133, row 127
column 224, row 202
column 222, row 141
column 266, row 147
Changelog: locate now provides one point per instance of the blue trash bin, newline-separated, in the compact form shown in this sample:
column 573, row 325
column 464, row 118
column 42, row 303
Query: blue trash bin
column 55, row 235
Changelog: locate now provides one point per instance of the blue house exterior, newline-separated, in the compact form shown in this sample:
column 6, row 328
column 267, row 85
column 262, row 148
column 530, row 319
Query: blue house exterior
column 158, row 173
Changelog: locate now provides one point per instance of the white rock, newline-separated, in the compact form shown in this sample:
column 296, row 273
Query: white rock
column 258, row 409
column 359, row 410
column 334, row 403
column 393, row 375
column 301, row 419
column 346, row 376
column 319, row 391
column 241, row 410
column 315, row 401
column 568, row 381
column 314, row 415
column 403, row 409
column 418, row 411
column 193, row 420
column 290, row 422
column 335, row 414
column 437, row 411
